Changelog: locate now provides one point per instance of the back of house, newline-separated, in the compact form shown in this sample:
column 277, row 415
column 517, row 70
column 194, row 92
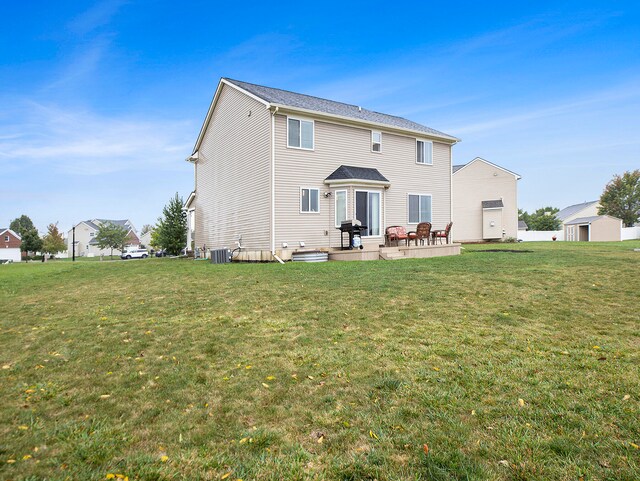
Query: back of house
column 276, row 171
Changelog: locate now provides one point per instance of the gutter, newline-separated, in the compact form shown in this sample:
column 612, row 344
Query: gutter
column 273, row 182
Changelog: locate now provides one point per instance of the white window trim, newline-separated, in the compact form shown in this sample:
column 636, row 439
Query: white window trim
column 6, row 238
column 376, row 132
column 382, row 228
column 313, row 136
column 309, row 211
column 408, row 213
column 424, row 141
column 335, row 205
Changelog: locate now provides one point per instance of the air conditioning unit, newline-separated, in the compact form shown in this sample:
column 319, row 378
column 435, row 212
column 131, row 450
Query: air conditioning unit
column 220, row 256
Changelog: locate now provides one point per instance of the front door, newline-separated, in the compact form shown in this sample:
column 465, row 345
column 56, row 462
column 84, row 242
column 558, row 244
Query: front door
column 368, row 211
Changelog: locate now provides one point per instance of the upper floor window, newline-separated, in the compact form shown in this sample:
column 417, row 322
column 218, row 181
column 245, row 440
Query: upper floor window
column 91, row 234
column 6, row 238
column 424, row 152
column 419, row 208
column 376, row 141
column 300, row 133
column 309, row 200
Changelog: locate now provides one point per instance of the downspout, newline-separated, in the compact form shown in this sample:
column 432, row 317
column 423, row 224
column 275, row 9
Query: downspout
column 273, row 185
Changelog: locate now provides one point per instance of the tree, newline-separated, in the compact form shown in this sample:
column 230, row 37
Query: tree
column 21, row 225
column 621, row 198
column 171, row 230
column 111, row 236
column 146, row 228
column 31, row 241
column 53, row 242
column 544, row 219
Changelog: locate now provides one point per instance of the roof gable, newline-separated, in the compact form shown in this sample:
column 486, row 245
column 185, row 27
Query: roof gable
column 574, row 209
column 9, row 231
column 457, row 168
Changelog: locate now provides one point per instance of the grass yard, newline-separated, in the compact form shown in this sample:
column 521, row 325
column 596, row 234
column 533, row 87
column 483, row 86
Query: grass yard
column 514, row 366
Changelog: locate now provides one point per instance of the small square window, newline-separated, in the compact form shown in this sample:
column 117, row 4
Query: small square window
column 376, row 141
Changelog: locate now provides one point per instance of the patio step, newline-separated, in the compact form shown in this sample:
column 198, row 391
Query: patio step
column 391, row 253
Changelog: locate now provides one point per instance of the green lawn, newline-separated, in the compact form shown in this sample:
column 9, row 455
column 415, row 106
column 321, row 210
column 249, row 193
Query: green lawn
column 515, row 366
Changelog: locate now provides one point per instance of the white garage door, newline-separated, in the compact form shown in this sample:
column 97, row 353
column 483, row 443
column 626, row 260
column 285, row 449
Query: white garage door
column 12, row 254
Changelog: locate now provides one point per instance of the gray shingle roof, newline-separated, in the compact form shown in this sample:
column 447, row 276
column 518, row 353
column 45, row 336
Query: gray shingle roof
column 456, row 168
column 522, row 225
column 317, row 104
column 573, row 209
column 584, row 220
column 492, row 204
column 346, row 172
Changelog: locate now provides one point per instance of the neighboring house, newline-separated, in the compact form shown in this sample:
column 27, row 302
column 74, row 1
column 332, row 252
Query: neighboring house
column 277, row 170
column 594, row 228
column 585, row 209
column 10, row 242
column 485, row 202
column 86, row 244
column 145, row 240
column 522, row 225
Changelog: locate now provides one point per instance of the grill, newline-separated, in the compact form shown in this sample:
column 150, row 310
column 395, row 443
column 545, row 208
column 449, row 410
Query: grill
column 354, row 229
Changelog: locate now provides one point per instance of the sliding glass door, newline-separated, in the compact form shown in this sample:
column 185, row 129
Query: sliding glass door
column 368, row 211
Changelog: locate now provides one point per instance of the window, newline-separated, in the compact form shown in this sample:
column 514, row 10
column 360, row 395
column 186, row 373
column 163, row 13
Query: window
column 424, row 152
column 368, row 211
column 309, row 200
column 419, row 208
column 91, row 234
column 6, row 238
column 376, row 141
column 341, row 206
column 300, row 133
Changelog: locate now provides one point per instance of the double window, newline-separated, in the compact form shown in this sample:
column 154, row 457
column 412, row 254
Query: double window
column 376, row 141
column 419, row 208
column 300, row 133
column 309, row 200
column 424, row 152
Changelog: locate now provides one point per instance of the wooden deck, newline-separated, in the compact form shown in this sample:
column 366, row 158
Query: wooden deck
column 373, row 253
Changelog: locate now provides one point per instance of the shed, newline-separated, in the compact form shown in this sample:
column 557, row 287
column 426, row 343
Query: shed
column 594, row 228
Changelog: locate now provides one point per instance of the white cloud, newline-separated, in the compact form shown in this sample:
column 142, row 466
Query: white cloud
column 82, row 142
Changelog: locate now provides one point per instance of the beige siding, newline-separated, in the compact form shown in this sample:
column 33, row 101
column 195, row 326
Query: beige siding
column 233, row 186
column 590, row 211
column 335, row 145
column 477, row 182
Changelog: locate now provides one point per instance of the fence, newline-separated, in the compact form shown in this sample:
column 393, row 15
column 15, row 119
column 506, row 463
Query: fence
column 540, row 235
column 628, row 233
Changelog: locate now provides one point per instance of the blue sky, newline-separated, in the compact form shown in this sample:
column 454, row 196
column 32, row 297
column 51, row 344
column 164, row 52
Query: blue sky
column 100, row 102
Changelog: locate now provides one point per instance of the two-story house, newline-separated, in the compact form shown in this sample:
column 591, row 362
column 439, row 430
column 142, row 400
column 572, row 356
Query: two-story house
column 276, row 171
column 10, row 242
column 85, row 237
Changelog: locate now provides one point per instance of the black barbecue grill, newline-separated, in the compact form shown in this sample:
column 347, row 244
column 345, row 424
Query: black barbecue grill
column 353, row 228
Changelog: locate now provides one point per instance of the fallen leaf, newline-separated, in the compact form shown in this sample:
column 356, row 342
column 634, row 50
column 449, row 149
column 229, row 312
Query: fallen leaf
column 521, row 403
column 248, row 367
column 270, row 378
column 23, row 427
column 226, row 475
column 105, row 396
column 320, row 439
column 626, row 397
column 373, row 435
column 310, row 377
column 26, row 456
column 436, row 368
column 634, row 445
column 596, row 347
column 473, row 412
column 425, row 448
column 264, row 384
column 164, row 459
column 6, row 366
column 11, row 461
column 503, row 462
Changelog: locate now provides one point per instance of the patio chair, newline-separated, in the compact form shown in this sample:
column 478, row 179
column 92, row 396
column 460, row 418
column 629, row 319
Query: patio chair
column 442, row 234
column 396, row 233
column 422, row 232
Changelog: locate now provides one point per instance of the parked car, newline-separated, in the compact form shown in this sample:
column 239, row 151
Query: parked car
column 135, row 254
column 161, row 253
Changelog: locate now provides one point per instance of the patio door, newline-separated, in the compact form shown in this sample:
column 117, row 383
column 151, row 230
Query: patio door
column 368, row 211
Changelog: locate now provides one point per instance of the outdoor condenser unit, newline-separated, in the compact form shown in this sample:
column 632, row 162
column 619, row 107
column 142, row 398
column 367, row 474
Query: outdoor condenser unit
column 220, row 256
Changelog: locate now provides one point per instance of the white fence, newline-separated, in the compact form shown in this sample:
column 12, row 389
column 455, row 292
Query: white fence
column 540, row 235
column 629, row 233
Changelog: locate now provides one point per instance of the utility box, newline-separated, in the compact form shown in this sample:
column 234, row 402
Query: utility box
column 220, row 256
